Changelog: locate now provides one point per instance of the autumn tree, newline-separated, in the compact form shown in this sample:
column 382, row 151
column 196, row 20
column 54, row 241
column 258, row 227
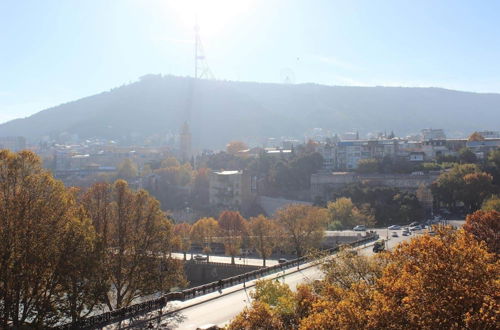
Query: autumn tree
column 232, row 227
column 234, row 147
column 303, row 226
column 485, row 226
column 127, row 170
column 475, row 137
column 349, row 268
column 43, row 240
column 446, row 281
column 183, row 233
column 264, row 236
column 344, row 214
column 137, row 238
column 492, row 204
column 204, row 232
column 83, row 275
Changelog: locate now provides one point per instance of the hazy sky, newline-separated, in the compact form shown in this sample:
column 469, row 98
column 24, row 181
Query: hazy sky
column 54, row 51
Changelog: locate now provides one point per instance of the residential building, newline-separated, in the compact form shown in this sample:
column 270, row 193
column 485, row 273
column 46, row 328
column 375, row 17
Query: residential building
column 433, row 134
column 232, row 190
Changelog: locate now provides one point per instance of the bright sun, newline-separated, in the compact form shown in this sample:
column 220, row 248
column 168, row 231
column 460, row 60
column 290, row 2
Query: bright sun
column 212, row 15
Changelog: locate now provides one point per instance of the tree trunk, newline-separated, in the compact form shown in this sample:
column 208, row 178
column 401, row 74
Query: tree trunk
column 264, row 261
column 232, row 260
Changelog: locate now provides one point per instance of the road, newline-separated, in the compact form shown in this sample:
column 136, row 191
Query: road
column 222, row 308
column 237, row 260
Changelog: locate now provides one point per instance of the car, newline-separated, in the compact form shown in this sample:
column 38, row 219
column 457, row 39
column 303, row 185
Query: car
column 415, row 228
column 282, row 260
column 394, row 227
column 200, row 257
column 413, row 224
column 406, row 233
column 208, row 327
column 359, row 228
column 394, row 234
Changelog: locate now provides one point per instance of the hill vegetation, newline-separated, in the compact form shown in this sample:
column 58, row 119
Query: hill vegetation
column 222, row 111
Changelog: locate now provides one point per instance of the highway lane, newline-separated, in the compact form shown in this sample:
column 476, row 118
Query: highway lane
column 225, row 307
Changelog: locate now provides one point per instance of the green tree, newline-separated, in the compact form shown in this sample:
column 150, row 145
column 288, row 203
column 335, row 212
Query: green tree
column 492, row 204
column 450, row 187
column 344, row 214
column 477, row 186
column 466, row 156
column 367, row 166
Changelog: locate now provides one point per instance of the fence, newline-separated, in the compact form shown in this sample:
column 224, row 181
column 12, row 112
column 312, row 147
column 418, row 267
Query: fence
column 135, row 310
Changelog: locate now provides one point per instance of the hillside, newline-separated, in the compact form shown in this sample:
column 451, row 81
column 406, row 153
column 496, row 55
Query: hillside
column 224, row 110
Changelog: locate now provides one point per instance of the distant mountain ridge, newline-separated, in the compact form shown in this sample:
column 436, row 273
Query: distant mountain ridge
column 221, row 111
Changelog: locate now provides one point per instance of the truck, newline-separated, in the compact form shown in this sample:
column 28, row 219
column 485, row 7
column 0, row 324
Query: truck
column 379, row 246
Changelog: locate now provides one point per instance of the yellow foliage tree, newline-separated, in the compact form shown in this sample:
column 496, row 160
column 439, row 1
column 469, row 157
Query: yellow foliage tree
column 264, row 236
column 137, row 238
column 234, row 146
column 45, row 242
column 303, row 226
column 203, row 232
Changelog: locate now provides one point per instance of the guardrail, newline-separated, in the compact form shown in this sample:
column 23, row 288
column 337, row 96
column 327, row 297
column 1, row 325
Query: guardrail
column 107, row 318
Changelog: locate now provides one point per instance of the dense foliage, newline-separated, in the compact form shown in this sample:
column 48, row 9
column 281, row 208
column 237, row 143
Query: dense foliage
column 446, row 281
column 65, row 253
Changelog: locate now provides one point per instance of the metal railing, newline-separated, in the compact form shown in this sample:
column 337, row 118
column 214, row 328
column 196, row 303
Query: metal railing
column 107, row 318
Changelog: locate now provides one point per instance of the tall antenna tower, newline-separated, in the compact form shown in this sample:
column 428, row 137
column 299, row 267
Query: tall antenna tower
column 201, row 68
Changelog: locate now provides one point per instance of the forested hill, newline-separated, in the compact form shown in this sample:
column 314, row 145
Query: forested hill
column 223, row 110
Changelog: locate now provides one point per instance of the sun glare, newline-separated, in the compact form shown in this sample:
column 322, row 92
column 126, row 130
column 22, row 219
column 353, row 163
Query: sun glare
column 212, row 16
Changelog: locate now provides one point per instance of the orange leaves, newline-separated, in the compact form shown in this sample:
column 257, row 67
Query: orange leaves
column 447, row 281
column 485, row 226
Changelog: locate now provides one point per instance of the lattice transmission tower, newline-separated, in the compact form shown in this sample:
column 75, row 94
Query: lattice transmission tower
column 201, row 68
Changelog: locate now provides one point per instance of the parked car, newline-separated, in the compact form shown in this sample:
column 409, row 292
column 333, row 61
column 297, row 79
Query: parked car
column 406, row 233
column 415, row 228
column 282, row 260
column 200, row 257
column 359, row 228
column 208, row 327
column 394, row 234
column 413, row 224
column 394, row 227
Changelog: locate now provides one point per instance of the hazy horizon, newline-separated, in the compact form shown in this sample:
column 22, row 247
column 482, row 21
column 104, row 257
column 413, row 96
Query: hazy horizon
column 60, row 52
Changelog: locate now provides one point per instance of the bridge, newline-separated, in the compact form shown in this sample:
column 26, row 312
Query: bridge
column 168, row 307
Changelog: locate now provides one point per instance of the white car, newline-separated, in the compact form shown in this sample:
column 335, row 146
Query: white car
column 394, row 227
column 359, row 228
